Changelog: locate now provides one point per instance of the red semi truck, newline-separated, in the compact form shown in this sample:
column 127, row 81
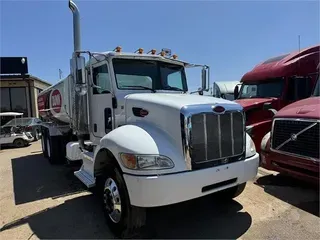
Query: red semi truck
column 292, row 147
column 272, row 85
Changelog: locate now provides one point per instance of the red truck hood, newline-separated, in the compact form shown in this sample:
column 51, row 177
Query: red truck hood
column 253, row 102
column 306, row 108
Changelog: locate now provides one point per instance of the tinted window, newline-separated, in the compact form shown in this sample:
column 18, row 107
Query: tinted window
column 5, row 100
column 18, row 100
column 316, row 91
column 299, row 88
column 275, row 59
column 101, row 78
column 263, row 89
column 14, row 99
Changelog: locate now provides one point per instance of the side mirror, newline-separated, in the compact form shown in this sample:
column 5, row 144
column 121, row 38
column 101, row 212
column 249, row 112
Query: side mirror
column 78, row 71
column 236, row 92
column 267, row 106
column 204, row 78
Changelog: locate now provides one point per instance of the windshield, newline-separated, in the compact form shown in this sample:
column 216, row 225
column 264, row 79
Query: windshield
column 19, row 121
column 145, row 74
column 264, row 89
column 316, row 91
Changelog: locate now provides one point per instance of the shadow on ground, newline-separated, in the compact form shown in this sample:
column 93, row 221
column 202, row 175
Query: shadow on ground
column 82, row 218
column 34, row 179
column 295, row 192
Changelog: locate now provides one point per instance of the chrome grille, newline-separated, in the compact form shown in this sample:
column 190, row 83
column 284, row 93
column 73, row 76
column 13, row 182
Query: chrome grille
column 216, row 136
column 296, row 137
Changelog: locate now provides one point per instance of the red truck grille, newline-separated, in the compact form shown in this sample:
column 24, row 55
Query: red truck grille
column 296, row 137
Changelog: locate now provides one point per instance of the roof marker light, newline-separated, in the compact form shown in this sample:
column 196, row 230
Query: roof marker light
column 118, row 49
column 152, row 51
column 174, row 56
column 140, row 51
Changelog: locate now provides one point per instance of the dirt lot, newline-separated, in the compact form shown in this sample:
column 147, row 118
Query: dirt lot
column 38, row 200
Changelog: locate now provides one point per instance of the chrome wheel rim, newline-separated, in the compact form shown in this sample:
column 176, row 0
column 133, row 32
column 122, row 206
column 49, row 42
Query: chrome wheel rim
column 112, row 200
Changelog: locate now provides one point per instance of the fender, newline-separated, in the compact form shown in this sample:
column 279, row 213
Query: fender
column 143, row 138
column 258, row 130
column 265, row 143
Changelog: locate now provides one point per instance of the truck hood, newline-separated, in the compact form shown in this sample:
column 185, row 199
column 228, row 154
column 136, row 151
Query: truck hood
column 253, row 102
column 176, row 100
column 306, row 108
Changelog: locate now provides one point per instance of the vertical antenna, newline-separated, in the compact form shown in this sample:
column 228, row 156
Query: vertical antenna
column 299, row 52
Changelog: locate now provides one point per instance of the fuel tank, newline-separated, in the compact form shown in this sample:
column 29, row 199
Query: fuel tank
column 54, row 103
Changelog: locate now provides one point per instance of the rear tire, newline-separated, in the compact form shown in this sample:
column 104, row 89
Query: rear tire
column 54, row 151
column 44, row 146
column 19, row 142
column 123, row 219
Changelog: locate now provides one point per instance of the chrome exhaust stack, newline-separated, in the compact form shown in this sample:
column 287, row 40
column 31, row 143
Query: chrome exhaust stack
column 76, row 26
column 79, row 89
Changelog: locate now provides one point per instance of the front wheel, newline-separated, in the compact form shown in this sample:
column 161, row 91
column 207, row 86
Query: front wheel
column 19, row 143
column 233, row 192
column 124, row 220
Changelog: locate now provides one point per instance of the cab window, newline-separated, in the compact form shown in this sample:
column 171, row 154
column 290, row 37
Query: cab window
column 101, row 78
column 299, row 88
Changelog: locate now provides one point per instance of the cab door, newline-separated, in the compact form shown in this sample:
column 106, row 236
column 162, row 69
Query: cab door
column 101, row 110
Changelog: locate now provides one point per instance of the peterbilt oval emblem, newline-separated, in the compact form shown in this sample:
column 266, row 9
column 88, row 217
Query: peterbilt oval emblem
column 218, row 109
column 143, row 112
column 293, row 137
column 224, row 161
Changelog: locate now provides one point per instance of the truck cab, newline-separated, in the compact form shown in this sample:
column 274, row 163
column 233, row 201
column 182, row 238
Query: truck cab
column 273, row 84
column 292, row 146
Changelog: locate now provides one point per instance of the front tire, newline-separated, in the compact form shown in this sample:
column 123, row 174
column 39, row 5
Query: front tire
column 18, row 143
column 232, row 192
column 124, row 220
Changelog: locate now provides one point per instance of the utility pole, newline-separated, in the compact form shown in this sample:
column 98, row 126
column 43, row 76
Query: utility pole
column 60, row 73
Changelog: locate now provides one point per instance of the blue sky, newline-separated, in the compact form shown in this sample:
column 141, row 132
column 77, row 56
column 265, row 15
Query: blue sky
column 229, row 36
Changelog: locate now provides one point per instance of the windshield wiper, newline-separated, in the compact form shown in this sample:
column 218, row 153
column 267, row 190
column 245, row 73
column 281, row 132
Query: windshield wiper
column 173, row 88
column 142, row 87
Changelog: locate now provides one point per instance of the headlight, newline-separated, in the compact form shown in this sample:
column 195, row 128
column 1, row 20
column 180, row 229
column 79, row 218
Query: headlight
column 145, row 162
column 250, row 148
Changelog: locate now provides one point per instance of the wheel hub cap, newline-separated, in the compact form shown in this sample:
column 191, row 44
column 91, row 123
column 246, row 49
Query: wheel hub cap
column 112, row 200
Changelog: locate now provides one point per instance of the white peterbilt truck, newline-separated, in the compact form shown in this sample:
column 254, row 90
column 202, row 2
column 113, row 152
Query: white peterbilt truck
column 142, row 140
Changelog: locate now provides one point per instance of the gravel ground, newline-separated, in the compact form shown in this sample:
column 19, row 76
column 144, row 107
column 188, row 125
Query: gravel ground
column 39, row 201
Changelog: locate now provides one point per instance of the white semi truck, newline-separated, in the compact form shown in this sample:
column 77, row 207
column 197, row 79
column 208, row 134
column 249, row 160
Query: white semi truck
column 142, row 140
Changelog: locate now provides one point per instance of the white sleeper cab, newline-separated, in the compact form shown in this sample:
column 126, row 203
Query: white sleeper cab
column 142, row 140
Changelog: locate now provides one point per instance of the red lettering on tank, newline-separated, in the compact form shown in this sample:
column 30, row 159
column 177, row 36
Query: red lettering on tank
column 56, row 101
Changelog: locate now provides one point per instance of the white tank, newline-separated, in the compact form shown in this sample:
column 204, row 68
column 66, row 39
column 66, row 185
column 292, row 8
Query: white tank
column 54, row 102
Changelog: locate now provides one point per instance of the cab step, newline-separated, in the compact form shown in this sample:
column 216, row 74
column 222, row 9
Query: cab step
column 85, row 173
column 85, row 177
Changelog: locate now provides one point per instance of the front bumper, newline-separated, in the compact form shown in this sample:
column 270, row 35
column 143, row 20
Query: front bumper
column 153, row 191
column 296, row 167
